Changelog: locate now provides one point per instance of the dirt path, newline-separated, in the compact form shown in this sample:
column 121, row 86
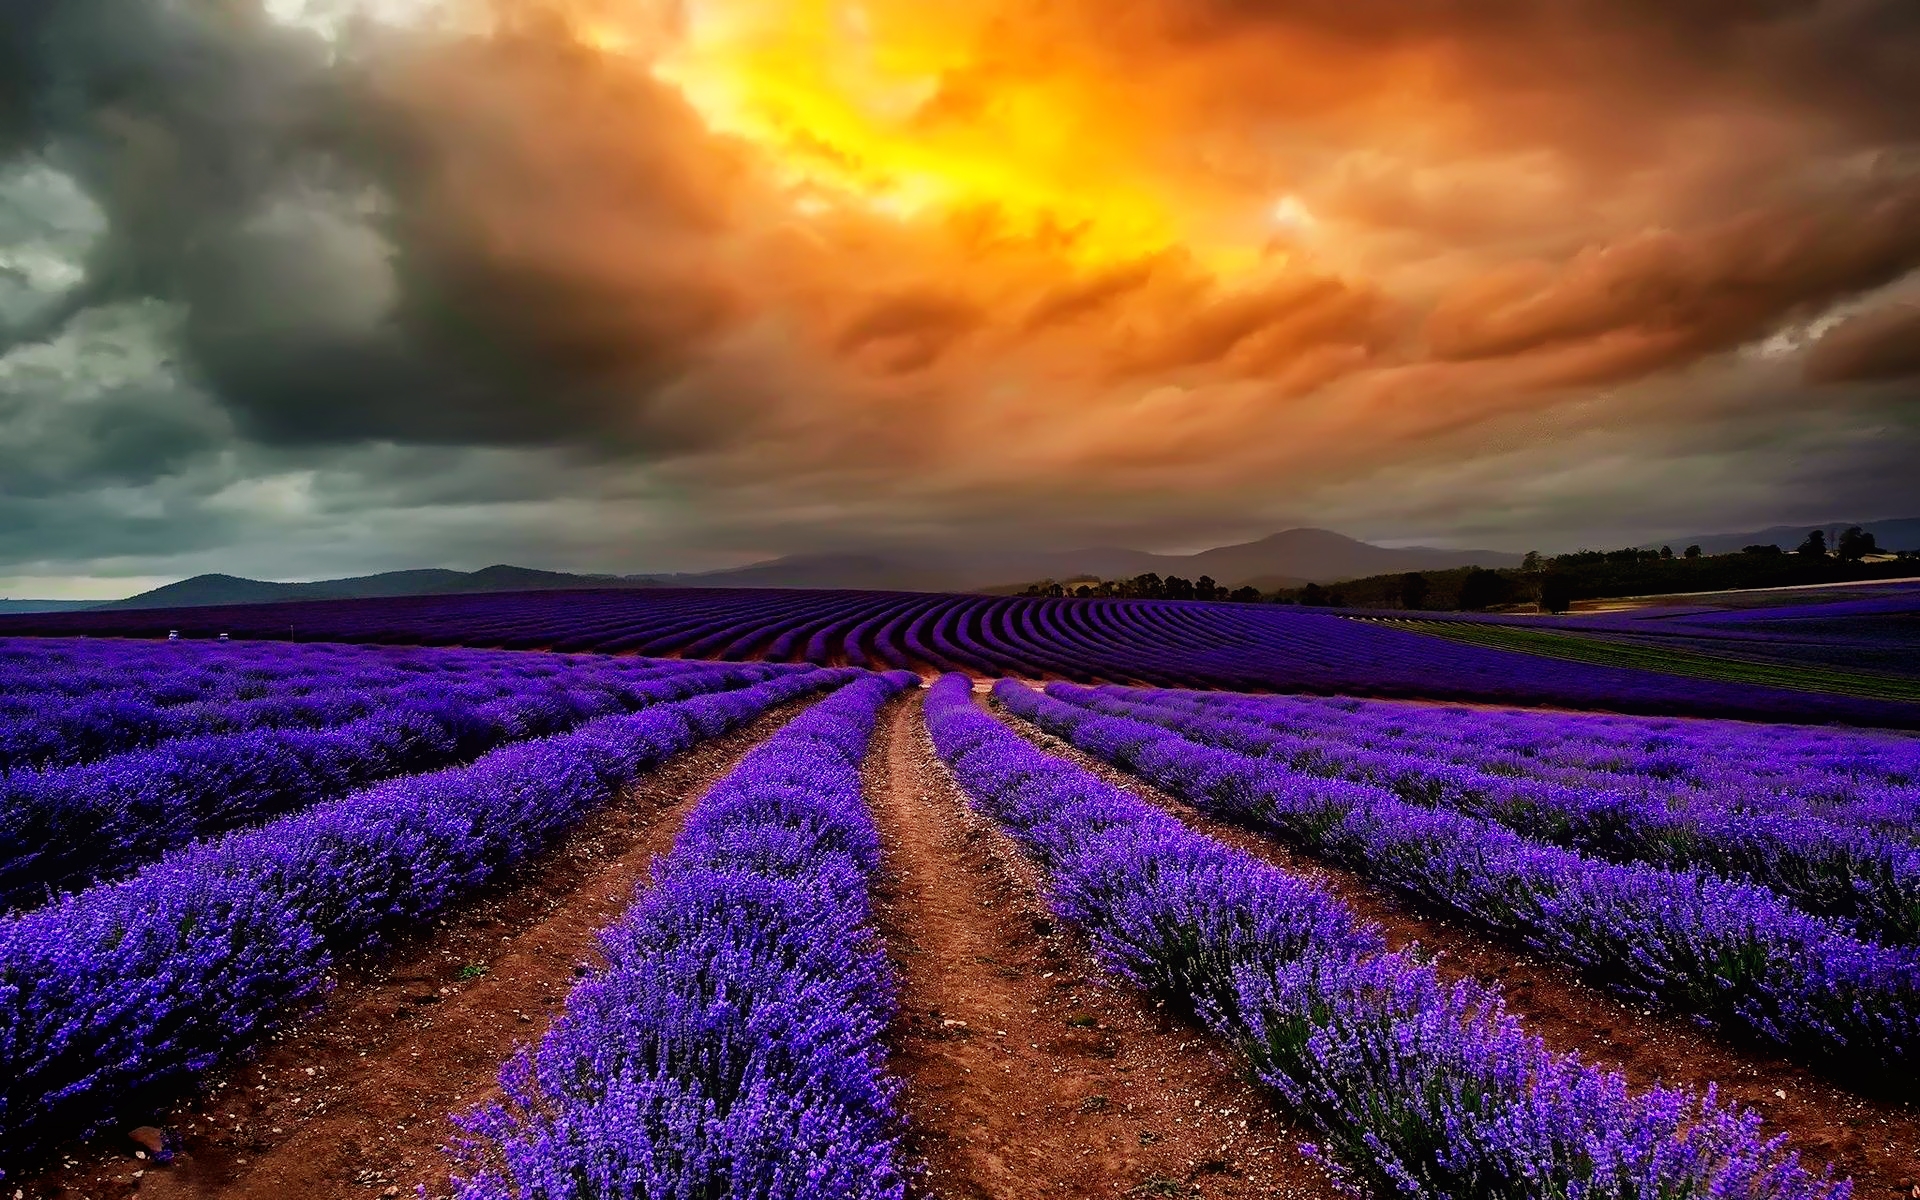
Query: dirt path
column 1878, row 1144
column 1027, row 1076
column 354, row 1101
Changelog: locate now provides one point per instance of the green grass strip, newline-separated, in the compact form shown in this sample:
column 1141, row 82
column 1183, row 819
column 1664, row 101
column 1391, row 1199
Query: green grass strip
column 1576, row 647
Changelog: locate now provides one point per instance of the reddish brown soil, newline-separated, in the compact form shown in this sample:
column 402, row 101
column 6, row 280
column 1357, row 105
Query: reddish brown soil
column 1877, row 1144
column 1026, row 1074
column 355, row 1100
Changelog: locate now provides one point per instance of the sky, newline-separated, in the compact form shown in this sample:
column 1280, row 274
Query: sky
column 297, row 289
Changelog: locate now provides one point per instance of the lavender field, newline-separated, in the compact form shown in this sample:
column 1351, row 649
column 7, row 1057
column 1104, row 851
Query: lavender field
column 1241, row 647
column 977, row 600
column 772, row 895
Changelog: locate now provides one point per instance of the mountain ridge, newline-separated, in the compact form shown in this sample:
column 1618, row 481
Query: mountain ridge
column 1289, row 558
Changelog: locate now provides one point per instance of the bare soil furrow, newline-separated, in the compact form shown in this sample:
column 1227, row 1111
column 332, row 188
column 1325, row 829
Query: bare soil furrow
column 1027, row 1074
column 354, row 1101
column 1876, row 1143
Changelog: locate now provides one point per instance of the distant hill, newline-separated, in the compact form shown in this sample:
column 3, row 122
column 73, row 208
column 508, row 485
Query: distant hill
column 1289, row 559
column 1900, row 534
column 36, row 606
column 1322, row 556
column 203, row 590
column 878, row 572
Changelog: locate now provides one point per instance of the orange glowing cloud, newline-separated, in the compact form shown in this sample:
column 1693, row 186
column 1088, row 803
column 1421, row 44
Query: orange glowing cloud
column 924, row 112
column 946, row 248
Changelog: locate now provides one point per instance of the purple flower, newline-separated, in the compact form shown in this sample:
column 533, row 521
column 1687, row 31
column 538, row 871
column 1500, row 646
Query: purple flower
column 1417, row 1087
column 733, row 1045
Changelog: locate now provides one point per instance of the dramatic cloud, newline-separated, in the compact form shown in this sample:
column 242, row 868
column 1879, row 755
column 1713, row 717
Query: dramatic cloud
column 1664, row 297
column 704, row 280
column 1882, row 344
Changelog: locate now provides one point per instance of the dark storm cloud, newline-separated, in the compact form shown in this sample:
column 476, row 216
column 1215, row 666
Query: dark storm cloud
column 435, row 292
column 70, row 529
column 363, row 259
column 129, row 438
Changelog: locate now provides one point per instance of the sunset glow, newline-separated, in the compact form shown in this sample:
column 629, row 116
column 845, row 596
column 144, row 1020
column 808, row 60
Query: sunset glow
column 745, row 273
column 912, row 112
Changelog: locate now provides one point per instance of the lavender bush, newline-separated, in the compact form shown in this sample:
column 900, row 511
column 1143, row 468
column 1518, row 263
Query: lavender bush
column 1850, row 777
column 1729, row 952
column 116, row 997
column 1868, row 877
column 63, row 828
column 1416, row 1085
column 1419, row 1088
column 732, row 1046
column 63, row 703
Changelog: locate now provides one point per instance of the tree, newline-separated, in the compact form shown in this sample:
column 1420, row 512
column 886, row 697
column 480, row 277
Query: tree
column 1693, row 552
column 1482, row 589
column 1815, row 546
column 1666, row 552
column 1413, row 590
column 1178, row 588
column 1761, row 548
column 1313, row 593
column 1556, row 593
column 1204, row 588
column 1245, row 595
column 1856, row 543
column 1530, row 564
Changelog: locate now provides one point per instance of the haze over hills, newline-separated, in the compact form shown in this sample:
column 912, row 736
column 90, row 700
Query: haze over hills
column 1288, row 559
column 1898, row 534
column 202, row 590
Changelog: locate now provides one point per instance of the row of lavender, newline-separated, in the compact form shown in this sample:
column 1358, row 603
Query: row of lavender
column 1830, row 831
column 733, row 1045
column 70, row 827
column 160, row 671
column 1728, row 952
column 118, row 995
column 1845, row 773
column 1419, row 1088
column 66, row 702
column 1245, row 647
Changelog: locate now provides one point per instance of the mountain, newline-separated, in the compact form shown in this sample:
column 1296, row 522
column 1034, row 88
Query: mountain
column 1322, row 556
column 1288, row 559
column 1899, row 534
column 202, row 590
column 879, row 572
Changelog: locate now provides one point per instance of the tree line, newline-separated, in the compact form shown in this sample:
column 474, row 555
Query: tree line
column 1149, row 586
column 1552, row 583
